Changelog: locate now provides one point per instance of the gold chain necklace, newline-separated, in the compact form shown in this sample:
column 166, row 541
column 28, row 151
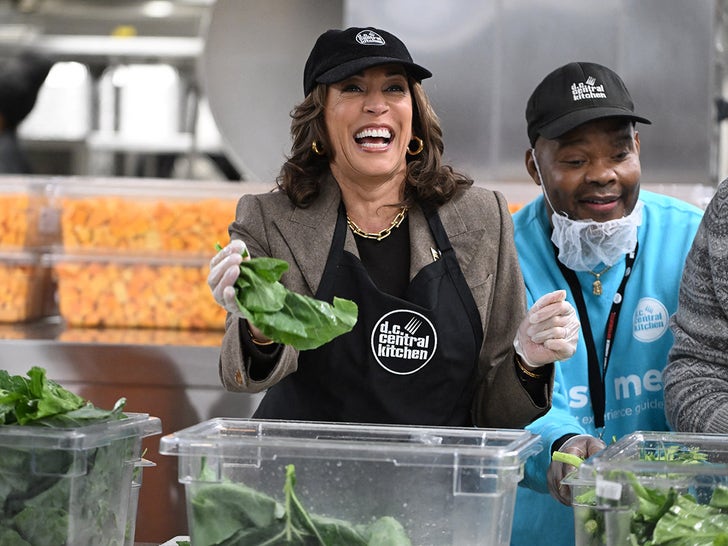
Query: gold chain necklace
column 378, row 236
column 597, row 284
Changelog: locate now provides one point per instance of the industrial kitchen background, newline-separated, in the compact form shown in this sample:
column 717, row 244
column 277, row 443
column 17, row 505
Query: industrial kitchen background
column 148, row 88
column 197, row 93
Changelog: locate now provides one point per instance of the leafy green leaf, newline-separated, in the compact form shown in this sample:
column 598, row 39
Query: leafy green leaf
column 220, row 510
column 693, row 523
column 387, row 531
column 719, row 499
column 336, row 531
column 10, row 537
column 226, row 514
column 35, row 504
column 263, row 293
column 23, row 400
column 84, row 415
column 286, row 316
column 307, row 323
column 653, row 503
column 662, row 515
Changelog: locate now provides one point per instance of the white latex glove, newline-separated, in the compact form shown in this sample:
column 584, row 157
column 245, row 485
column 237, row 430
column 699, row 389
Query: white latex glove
column 224, row 271
column 583, row 446
column 549, row 331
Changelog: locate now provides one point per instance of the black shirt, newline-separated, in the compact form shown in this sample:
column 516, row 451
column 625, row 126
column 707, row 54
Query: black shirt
column 388, row 261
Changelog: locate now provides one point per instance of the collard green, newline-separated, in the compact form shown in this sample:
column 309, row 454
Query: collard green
column 286, row 316
column 226, row 514
column 40, row 488
column 662, row 515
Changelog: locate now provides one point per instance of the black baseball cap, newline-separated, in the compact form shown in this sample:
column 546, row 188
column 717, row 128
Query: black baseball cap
column 574, row 94
column 338, row 54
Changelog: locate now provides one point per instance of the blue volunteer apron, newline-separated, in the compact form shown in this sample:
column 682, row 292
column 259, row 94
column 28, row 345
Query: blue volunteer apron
column 407, row 361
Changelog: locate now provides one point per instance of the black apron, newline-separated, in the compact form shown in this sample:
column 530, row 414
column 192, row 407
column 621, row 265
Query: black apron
column 409, row 361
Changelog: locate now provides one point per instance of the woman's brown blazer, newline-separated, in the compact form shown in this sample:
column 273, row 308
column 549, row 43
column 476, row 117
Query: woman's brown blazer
column 480, row 229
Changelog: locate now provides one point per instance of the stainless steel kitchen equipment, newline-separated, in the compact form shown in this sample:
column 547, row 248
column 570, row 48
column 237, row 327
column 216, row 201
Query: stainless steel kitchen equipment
column 486, row 58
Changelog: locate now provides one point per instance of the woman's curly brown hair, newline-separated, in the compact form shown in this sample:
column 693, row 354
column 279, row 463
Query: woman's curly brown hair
column 428, row 182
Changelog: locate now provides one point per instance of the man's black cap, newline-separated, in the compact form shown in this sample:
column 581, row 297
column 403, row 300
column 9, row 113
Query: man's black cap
column 574, row 94
column 338, row 54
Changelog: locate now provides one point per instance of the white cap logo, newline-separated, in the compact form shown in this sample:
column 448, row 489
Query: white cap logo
column 588, row 90
column 369, row 37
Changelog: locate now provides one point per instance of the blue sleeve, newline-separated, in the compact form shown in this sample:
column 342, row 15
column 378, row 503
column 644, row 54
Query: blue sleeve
column 552, row 426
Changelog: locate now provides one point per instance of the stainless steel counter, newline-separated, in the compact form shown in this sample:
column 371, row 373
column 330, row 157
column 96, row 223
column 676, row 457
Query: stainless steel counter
column 173, row 376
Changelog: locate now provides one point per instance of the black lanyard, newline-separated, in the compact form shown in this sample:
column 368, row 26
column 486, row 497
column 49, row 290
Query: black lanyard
column 596, row 376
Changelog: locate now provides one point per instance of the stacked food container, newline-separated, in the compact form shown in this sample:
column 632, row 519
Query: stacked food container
column 127, row 255
column 136, row 254
column 653, row 488
column 260, row 482
column 26, row 283
column 76, row 486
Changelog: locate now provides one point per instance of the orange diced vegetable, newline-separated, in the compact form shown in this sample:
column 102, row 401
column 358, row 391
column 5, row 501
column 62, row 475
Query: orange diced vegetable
column 145, row 225
column 22, row 292
column 137, row 295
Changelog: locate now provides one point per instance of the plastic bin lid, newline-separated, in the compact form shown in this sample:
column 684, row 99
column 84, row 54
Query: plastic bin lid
column 80, row 438
column 229, row 438
column 644, row 452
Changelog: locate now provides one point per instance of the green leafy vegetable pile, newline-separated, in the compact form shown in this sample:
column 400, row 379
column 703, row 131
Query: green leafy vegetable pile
column 236, row 515
column 37, row 400
column 42, row 490
column 285, row 316
column 663, row 516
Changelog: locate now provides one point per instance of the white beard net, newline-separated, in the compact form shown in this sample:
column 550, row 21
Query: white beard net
column 584, row 244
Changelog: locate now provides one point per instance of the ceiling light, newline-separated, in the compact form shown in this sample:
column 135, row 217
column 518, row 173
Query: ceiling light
column 158, row 8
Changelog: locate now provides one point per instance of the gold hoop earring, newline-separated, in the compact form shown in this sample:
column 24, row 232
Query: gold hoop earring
column 316, row 149
column 420, row 146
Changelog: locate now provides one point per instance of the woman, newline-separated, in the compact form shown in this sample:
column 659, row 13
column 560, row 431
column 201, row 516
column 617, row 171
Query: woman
column 365, row 210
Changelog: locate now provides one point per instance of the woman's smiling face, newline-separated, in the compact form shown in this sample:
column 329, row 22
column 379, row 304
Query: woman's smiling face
column 369, row 123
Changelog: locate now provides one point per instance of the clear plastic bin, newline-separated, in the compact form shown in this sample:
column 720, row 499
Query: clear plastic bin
column 70, row 486
column 145, row 215
column 654, row 486
column 26, row 220
column 27, row 292
column 122, row 291
column 434, row 486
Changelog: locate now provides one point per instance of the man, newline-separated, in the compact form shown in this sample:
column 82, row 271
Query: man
column 619, row 253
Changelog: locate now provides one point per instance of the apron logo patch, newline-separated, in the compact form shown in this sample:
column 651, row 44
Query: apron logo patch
column 403, row 341
column 650, row 320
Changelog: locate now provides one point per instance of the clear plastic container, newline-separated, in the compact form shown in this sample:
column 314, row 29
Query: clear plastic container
column 434, row 486
column 70, row 486
column 130, row 291
column 26, row 219
column 145, row 215
column 27, row 292
column 652, row 486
